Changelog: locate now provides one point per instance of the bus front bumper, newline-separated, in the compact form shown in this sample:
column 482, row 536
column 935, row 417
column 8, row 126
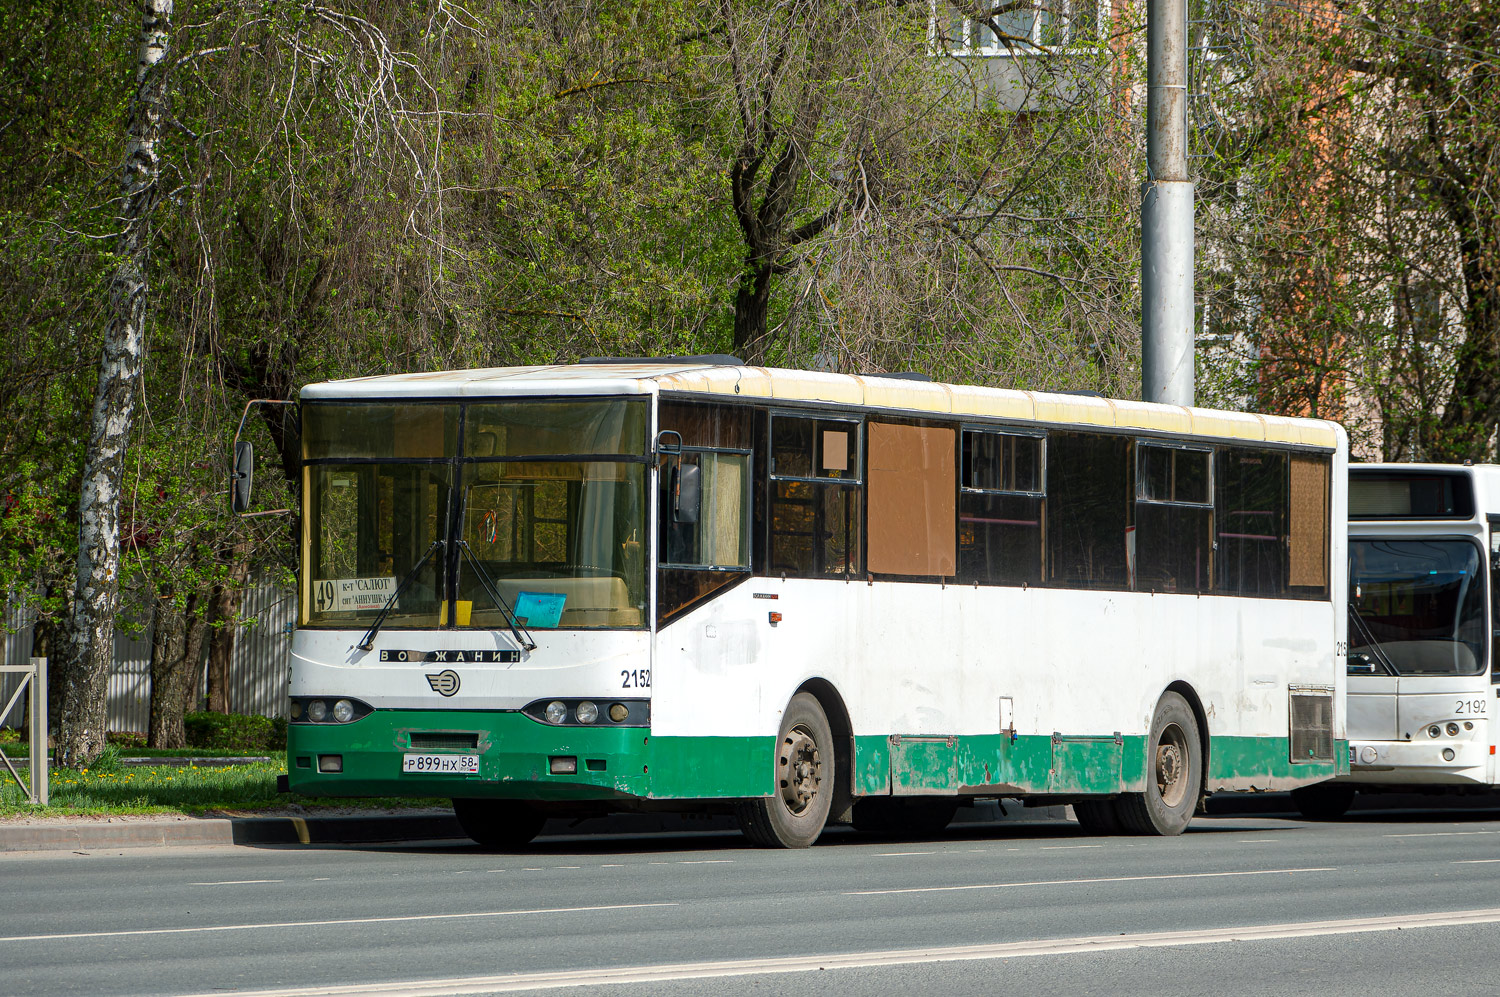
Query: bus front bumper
column 1418, row 763
column 518, row 758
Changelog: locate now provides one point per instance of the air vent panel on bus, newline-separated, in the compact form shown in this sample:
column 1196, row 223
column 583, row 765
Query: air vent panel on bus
column 1311, row 724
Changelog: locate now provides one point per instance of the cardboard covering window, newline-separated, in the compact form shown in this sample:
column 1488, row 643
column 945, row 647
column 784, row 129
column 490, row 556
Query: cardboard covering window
column 911, row 492
column 1308, row 536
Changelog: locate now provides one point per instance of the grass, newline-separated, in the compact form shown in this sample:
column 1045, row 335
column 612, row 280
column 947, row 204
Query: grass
column 108, row 788
column 23, row 750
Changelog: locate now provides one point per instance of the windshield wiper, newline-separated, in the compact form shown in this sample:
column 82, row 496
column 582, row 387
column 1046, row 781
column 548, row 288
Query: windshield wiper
column 390, row 603
column 499, row 600
column 1381, row 658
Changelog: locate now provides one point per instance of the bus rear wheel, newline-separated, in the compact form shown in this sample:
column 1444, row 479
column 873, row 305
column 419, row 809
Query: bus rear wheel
column 1325, row 801
column 1174, row 780
column 1097, row 816
column 794, row 816
column 502, row 825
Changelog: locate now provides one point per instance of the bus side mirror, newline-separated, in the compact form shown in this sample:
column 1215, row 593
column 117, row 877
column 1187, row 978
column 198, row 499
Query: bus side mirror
column 242, row 477
column 687, row 493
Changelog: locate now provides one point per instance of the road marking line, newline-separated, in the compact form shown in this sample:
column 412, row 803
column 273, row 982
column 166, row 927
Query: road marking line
column 566, row 867
column 706, row 862
column 886, row 855
column 332, row 921
column 1074, row 882
column 891, row 957
column 239, row 882
column 1059, row 848
column 1251, row 841
column 1437, row 834
column 1474, row 861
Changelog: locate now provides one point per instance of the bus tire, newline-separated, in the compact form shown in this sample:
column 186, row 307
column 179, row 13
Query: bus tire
column 1325, row 801
column 794, row 815
column 895, row 816
column 500, row 825
column 1174, row 777
column 1097, row 816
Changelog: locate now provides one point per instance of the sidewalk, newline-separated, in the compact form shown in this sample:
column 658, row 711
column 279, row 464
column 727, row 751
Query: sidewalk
column 99, row 833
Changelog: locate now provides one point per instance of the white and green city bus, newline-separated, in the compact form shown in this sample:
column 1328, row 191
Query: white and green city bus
column 1423, row 551
column 693, row 585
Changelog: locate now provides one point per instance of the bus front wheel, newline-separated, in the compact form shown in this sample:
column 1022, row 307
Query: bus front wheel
column 1174, row 777
column 503, row 825
column 794, row 815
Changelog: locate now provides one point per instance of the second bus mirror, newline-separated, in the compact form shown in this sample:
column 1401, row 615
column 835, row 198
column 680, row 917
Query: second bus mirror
column 687, row 493
column 242, row 478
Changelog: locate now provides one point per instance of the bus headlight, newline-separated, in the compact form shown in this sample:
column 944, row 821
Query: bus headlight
column 1434, row 730
column 317, row 710
column 1452, row 729
column 343, row 711
column 587, row 712
column 1448, row 754
column 557, row 712
column 619, row 712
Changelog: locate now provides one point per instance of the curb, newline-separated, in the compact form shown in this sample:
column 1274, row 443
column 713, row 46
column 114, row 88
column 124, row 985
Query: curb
column 182, row 832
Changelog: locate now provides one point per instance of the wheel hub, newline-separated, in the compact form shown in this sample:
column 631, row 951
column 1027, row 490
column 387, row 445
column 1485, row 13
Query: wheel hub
column 800, row 770
column 1171, row 766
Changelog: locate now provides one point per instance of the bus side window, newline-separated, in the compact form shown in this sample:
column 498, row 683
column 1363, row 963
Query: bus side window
column 1088, row 510
column 815, row 485
column 1250, row 489
column 1002, row 493
column 1174, row 518
column 1307, row 530
column 703, row 549
column 912, row 519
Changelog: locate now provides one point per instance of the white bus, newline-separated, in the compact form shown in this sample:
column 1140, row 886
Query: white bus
column 693, row 585
column 1422, row 551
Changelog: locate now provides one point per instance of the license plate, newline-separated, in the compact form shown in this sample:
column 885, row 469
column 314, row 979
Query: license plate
column 441, row 764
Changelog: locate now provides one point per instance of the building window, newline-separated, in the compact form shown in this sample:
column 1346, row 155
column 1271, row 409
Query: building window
column 999, row 28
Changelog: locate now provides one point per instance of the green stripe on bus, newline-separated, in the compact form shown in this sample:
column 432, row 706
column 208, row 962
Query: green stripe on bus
column 621, row 763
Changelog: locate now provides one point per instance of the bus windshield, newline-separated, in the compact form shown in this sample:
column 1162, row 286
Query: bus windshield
column 1420, row 603
column 536, row 505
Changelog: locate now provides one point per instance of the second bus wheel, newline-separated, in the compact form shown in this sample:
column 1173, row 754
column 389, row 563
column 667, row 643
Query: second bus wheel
column 1325, row 801
column 503, row 825
column 1174, row 773
column 794, row 815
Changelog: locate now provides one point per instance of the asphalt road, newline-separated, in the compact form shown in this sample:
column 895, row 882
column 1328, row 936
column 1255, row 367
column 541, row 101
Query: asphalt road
column 1244, row 904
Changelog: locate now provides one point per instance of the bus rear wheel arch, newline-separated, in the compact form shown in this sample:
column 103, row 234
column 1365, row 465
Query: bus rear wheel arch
column 1174, row 773
column 805, row 777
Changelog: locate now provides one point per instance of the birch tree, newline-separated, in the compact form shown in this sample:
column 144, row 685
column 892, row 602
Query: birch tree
column 89, row 649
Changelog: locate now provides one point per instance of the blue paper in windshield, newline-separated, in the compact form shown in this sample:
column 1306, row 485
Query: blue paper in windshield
column 539, row 609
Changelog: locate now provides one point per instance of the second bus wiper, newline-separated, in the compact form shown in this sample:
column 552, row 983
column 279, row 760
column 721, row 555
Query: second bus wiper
column 499, row 600
column 369, row 639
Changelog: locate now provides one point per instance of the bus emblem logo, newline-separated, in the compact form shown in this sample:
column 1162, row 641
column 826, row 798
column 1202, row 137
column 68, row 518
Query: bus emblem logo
column 444, row 682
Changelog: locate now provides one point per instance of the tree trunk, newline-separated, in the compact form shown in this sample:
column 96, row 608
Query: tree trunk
column 176, row 651
column 223, row 616
column 751, row 304
column 88, row 653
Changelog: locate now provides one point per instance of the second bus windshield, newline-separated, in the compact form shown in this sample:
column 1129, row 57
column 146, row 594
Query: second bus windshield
column 1419, row 605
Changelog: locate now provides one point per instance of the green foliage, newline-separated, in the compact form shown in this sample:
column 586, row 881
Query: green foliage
column 171, row 789
column 236, row 731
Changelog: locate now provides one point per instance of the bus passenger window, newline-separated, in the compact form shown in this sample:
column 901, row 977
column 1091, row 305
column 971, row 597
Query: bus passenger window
column 1088, row 506
column 814, row 526
column 1250, row 488
column 1307, row 533
column 1001, row 508
column 911, row 500
column 1172, row 549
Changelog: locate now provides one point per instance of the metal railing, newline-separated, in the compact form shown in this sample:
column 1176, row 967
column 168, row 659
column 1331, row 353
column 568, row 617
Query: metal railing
column 34, row 681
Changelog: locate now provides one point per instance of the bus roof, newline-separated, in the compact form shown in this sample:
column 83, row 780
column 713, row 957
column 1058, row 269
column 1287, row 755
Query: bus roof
column 856, row 390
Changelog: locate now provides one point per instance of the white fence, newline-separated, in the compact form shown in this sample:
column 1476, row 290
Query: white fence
column 257, row 670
